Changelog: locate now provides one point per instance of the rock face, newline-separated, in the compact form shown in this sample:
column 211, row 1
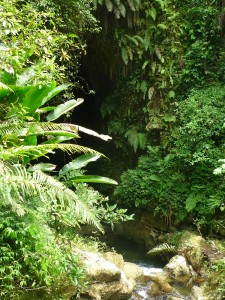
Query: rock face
column 161, row 286
column 197, row 293
column 107, row 278
column 193, row 248
column 179, row 270
column 144, row 230
column 115, row 258
column 132, row 271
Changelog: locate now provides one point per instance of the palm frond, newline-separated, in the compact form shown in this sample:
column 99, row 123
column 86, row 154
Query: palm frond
column 17, row 186
column 11, row 127
column 42, row 150
column 45, row 128
column 162, row 249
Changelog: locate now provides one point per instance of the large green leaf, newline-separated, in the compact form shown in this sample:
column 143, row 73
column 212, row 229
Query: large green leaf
column 94, row 179
column 30, row 140
column 63, row 109
column 78, row 163
column 34, row 97
column 4, row 90
column 45, row 109
column 55, row 92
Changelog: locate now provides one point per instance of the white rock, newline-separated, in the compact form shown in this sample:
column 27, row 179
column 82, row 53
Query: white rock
column 179, row 270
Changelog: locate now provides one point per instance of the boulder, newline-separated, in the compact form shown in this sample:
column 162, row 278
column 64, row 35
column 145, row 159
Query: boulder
column 126, row 288
column 197, row 293
column 132, row 271
column 159, row 284
column 144, row 230
column 107, row 281
column 179, row 270
column 160, row 287
column 114, row 290
column 193, row 247
column 174, row 298
column 98, row 269
column 115, row 258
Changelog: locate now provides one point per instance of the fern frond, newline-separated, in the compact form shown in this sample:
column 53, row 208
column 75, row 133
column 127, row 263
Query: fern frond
column 162, row 249
column 13, row 127
column 133, row 4
column 42, row 150
column 109, row 5
column 10, row 127
column 17, row 186
column 46, row 128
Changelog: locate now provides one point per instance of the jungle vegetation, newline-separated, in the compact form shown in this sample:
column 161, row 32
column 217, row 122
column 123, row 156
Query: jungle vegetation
column 163, row 106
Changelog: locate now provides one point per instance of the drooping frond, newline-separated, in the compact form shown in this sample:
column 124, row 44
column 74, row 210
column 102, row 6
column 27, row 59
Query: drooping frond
column 162, row 249
column 13, row 127
column 10, row 127
column 49, row 128
column 17, row 185
column 42, row 150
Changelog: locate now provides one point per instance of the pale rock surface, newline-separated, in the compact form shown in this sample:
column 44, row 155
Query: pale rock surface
column 193, row 247
column 197, row 293
column 99, row 269
column 115, row 258
column 179, row 270
column 107, row 281
column 132, row 271
column 174, row 298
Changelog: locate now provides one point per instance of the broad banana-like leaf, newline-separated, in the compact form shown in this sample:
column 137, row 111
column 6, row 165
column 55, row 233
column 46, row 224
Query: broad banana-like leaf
column 30, row 140
column 38, row 96
column 45, row 109
column 4, row 90
column 93, row 178
column 34, row 97
column 78, row 163
column 44, row 167
column 63, row 109
column 55, row 92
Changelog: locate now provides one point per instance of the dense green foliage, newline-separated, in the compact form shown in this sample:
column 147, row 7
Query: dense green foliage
column 176, row 183
column 168, row 105
column 40, row 211
column 170, row 51
column 216, row 280
column 165, row 62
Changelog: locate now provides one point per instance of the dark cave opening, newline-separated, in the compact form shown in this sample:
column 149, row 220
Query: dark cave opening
column 88, row 115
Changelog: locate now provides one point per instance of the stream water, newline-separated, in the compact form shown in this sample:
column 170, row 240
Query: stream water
column 150, row 265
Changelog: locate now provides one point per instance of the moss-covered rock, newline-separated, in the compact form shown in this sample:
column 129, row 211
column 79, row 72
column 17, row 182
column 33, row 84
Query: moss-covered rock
column 194, row 248
column 107, row 280
column 179, row 270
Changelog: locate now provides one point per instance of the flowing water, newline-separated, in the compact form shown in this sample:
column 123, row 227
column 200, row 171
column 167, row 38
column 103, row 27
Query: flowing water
column 150, row 265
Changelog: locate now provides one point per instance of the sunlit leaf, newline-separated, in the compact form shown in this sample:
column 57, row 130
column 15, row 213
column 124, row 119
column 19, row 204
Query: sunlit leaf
column 63, row 109
column 93, row 179
column 45, row 167
column 79, row 163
